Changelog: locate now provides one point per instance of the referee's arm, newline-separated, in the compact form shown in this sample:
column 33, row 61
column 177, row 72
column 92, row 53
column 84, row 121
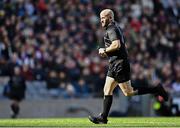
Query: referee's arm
column 115, row 45
column 113, row 36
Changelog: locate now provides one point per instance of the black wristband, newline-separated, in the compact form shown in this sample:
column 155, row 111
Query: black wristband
column 105, row 50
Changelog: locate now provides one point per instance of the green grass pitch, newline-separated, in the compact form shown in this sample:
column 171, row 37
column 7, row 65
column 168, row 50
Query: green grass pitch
column 131, row 122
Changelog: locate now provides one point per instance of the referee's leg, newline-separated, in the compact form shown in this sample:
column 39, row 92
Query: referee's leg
column 109, row 86
column 127, row 89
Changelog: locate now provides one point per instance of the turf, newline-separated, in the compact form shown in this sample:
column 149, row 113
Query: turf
column 132, row 122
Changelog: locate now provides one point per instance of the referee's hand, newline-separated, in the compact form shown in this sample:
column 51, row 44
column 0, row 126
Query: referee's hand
column 102, row 52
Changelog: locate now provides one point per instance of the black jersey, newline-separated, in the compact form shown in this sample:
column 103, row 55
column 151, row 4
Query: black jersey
column 15, row 89
column 114, row 32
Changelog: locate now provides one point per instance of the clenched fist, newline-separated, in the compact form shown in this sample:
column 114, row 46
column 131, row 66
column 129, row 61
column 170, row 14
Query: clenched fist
column 102, row 52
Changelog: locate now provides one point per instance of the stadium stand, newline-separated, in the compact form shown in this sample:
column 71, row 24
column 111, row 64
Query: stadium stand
column 46, row 36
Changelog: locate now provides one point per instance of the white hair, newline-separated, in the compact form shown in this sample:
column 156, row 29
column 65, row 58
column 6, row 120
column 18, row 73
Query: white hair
column 108, row 12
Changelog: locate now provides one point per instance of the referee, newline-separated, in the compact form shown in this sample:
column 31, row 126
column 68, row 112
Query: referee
column 119, row 67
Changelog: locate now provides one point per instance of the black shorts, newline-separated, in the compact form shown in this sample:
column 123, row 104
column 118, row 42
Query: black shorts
column 17, row 96
column 119, row 70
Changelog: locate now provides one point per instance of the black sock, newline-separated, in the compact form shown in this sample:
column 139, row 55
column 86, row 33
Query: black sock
column 146, row 90
column 15, row 108
column 107, row 105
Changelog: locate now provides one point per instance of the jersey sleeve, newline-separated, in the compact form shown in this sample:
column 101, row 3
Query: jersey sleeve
column 113, row 34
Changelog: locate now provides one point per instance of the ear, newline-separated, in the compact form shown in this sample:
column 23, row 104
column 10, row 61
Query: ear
column 110, row 18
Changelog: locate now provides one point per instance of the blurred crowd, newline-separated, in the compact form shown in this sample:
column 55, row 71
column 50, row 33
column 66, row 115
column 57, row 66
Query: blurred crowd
column 56, row 41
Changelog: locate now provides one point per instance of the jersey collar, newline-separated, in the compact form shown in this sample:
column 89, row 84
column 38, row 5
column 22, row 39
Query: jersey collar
column 110, row 24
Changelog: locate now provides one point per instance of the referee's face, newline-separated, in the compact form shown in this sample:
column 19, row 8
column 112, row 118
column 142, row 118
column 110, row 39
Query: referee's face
column 105, row 20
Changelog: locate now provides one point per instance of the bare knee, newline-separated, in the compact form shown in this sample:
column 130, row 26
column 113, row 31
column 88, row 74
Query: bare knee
column 127, row 93
column 127, row 88
column 108, row 91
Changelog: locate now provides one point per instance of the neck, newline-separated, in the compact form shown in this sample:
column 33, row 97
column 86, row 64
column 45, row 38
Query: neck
column 110, row 23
